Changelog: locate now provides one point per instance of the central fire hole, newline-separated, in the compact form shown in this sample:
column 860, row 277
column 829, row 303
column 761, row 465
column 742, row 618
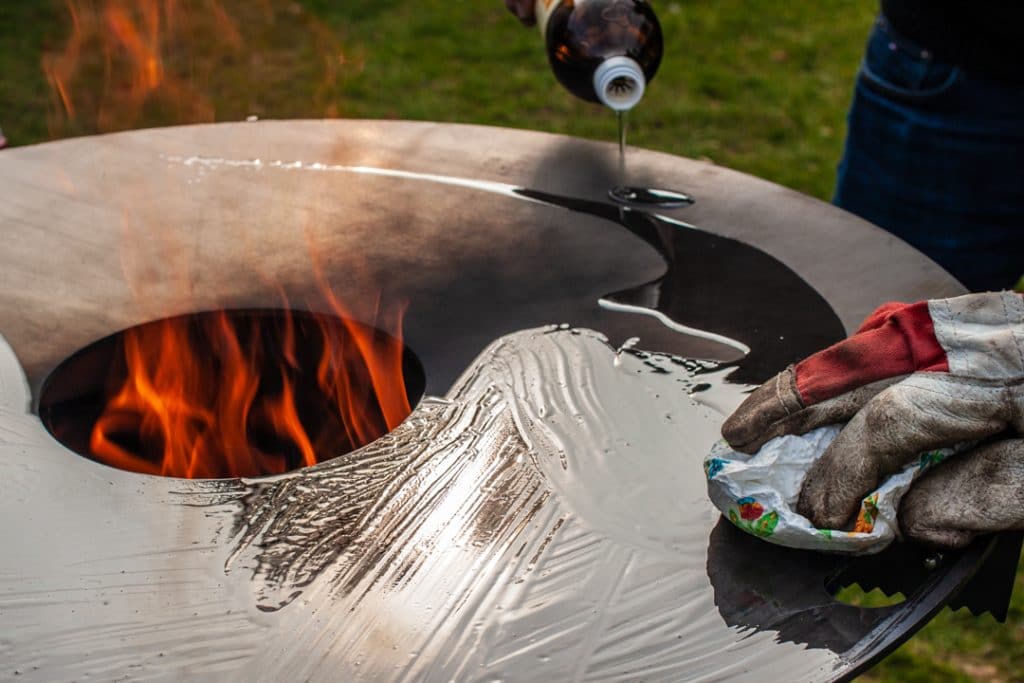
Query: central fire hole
column 237, row 393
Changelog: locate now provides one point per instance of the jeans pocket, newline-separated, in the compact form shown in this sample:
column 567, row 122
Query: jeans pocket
column 898, row 68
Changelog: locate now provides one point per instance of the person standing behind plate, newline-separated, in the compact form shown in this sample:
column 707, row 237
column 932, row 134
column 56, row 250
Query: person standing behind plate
column 935, row 146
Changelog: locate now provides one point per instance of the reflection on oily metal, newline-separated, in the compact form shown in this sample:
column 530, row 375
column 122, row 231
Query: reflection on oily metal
column 480, row 447
column 494, row 523
column 543, row 517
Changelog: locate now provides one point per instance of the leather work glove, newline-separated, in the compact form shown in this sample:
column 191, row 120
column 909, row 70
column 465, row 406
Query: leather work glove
column 524, row 9
column 915, row 377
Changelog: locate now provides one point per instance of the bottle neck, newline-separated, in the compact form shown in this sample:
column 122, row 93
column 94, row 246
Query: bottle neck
column 619, row 83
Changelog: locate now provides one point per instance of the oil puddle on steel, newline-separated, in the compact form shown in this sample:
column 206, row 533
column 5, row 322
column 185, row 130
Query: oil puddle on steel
column 545, row 521
column 641, row 197
column 649, row 197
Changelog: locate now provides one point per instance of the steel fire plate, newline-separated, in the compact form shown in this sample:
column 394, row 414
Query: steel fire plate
column 540, row 516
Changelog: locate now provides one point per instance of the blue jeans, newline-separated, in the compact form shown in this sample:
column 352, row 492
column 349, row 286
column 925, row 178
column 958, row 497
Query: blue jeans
column 936, row 156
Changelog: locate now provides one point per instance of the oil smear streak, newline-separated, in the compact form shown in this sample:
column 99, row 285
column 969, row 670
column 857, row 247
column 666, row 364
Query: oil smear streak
column 512, row 530
column 642, row 197
column 204, row 162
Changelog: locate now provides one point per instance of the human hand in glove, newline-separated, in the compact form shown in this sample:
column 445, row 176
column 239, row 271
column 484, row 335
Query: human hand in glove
column 915, row 377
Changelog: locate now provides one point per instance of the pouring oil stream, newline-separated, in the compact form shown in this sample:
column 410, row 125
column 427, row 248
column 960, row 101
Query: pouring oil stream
column 627, row 194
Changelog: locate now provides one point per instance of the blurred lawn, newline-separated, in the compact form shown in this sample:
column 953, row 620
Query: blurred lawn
column 761, row 87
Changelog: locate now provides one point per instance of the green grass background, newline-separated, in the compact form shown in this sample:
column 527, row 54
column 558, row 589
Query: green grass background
column 758, row 86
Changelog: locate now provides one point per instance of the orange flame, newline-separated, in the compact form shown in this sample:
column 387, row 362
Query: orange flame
column 127, row 63
column 208, row 396
column 141, row 42
column 218, row 395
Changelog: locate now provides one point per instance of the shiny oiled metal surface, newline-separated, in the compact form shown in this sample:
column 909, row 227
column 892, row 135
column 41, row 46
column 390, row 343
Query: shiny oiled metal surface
column 541, row 515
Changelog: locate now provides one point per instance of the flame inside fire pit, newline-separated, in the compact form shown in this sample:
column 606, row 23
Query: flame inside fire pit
column 231, row 393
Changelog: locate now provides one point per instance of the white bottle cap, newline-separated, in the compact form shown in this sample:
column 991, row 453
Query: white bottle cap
column 619, row 83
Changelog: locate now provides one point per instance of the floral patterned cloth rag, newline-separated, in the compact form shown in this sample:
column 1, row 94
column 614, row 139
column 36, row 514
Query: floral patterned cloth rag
column 758, row 493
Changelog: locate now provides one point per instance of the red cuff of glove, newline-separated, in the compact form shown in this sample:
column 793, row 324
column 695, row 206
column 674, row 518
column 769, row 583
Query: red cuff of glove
column 897, row 339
